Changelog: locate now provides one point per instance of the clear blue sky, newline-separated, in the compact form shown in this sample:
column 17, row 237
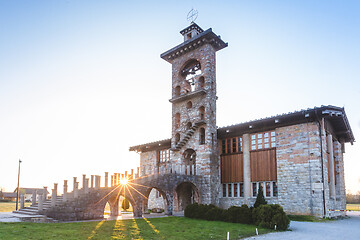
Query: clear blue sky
column 81, row 81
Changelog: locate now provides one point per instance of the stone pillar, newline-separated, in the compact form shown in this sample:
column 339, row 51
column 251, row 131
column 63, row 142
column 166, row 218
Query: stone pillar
column 33, row 200
column 22, row 201
column 53, row 197
column 132, row 173
column 45, row 194
column 65, row 191
column 40, row 203
column 92, row 181
column 86, row 185
column 76, row 191
column 331, row 170
column 74, row 183
column 126, row 174
column 83, row 181
column 112, row 180
column 115, row 179
column 106, row 179
column 138, row 171
column 246, row 165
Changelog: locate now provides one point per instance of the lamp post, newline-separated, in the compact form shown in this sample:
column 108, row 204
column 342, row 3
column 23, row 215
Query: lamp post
column 17, row 189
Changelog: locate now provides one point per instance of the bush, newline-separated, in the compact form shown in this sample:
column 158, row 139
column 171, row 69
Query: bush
column 239, row 214
column 125, row 204
column 191, row 210
column 214, row 214
column 268, row 216
column 260, row 199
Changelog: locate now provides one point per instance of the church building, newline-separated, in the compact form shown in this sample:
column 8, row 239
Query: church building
column 297, row 157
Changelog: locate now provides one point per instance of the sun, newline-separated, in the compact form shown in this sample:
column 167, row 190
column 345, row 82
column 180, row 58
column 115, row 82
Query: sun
column 123, row 181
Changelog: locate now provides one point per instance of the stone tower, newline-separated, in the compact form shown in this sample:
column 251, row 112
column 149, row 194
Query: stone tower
column 194, row 133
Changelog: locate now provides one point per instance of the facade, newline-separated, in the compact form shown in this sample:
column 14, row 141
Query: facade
column 297, row 157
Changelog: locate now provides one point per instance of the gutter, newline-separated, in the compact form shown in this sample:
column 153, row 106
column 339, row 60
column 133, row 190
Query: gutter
column 322, row 162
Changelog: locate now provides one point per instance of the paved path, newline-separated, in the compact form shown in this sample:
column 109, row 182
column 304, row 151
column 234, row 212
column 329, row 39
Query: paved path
column 346, row 229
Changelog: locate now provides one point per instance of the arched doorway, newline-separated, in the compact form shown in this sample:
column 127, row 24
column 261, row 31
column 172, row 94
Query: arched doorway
column 186, row 193
column 189, row 160
column 155, row 202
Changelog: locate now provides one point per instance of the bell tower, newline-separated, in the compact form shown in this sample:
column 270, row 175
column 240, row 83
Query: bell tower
column 194, row 133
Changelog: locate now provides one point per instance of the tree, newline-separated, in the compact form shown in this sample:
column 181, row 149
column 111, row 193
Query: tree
column 260, row 199
column 125, row 204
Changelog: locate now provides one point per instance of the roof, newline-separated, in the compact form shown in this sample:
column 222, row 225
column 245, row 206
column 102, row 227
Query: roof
column 335, row 115
column 9, row 194
column 205, row 37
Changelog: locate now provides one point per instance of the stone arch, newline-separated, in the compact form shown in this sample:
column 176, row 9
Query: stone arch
column 188, row 73
column 163, row 195
column 185, row 193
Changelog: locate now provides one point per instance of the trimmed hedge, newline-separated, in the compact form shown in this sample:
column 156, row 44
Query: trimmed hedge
column 266, row 216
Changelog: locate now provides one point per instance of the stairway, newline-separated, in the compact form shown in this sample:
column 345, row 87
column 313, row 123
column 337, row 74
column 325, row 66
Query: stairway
column 189, row 133
column 33, row 209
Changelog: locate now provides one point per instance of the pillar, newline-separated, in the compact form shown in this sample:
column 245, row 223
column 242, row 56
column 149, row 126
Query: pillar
column 86, row 185
column 53, row 197
column 83, row 181
column 65, row 191
column 331, row 170
column 132, row 174
column 246, row 166
column 106, row 179
column 138, row 171
column 74, row 183
column 97, row 182
column 22, row 201
column 126, row 174
column 92, row 181
column 40, row 203
column 76, row 191
column 112, row 180
column 33, row 200
column 45, row 194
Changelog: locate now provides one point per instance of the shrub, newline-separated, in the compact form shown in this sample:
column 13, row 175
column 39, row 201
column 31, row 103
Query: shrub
column 214, row 214
column 191, row 210
column 125, row 204
column 260, row 199
column 268, row 216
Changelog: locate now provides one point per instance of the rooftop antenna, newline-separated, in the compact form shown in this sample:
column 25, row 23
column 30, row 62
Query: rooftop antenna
column 192, row 15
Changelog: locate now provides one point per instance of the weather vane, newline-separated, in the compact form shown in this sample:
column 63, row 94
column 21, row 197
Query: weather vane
column 192, row 15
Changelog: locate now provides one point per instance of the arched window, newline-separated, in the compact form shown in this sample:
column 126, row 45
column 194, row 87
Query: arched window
column 191, row 69
column 202, row 136
column 177, row 120
column 177, row 138
column 201, row 82
column 202, row 112
column 188, row 125
column 189, row 104
column 177, row 91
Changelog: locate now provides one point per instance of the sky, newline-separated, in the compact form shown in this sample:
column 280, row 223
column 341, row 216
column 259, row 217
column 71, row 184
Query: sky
column 82, row 81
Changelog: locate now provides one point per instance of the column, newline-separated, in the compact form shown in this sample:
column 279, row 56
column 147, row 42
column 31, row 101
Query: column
column 126, row 174
column 45, row 194
column 331, row 170
column 86, row 186
column 97, row 182
column 65, row 191
column 54, row 195
column 106, row 179
column 92, row 181
column 33, row 200
column 76, row 191
column 246, row 165
column 115, row 179
column 74, row 183
column 83, row 180
column 40, row 203
column 22, row 201
column 112, row 181
column 138, row 172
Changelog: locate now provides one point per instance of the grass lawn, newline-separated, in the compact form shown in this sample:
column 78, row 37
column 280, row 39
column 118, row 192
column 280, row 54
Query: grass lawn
column 152, row 228
column 10, row 206
column 307, row 218
column 353, row 207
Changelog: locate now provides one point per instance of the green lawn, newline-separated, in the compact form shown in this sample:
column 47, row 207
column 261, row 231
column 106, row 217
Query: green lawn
column 353, row 207
column 10, row 206
column 154, row 228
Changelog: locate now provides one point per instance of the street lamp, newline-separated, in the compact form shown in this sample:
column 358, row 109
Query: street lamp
column 17, row 189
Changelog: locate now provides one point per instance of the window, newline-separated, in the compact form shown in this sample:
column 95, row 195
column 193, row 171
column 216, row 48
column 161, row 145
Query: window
column 189, row 72
column 254, row 189
column 267, row 189
column 231, row 145
column 164, row 155
column 275, row 189
column 202, row 135
column 202, row 112
column 188, row 125
column 235, row 190
column 177, row 120
column 263, row 140
column 224, row 190
column 229, row 190
column 241, row 185
column 189, row 105
column 177, row 91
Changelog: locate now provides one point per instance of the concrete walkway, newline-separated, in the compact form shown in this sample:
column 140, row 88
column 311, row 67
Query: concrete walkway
column 340, row 229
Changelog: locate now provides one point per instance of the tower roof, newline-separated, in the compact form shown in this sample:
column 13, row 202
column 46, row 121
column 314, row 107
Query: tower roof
column 203, row 37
